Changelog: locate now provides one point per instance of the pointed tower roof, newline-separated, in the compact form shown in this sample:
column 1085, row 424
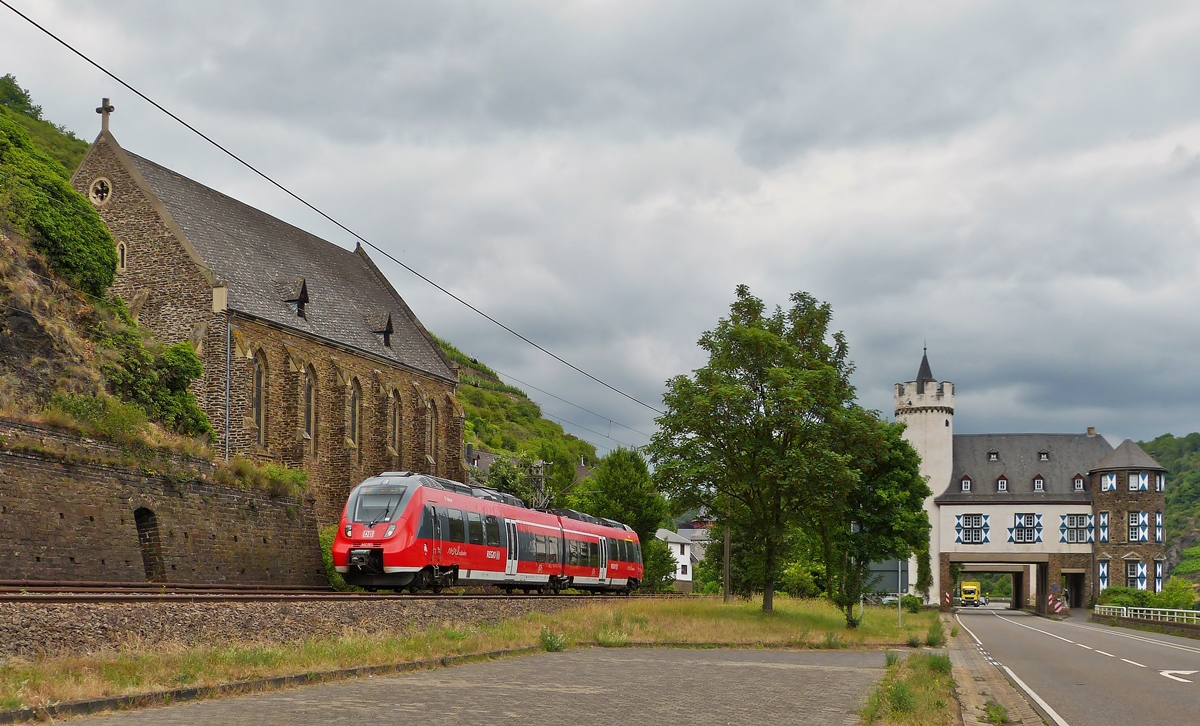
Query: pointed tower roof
column 1128, row 456
column 924, row 374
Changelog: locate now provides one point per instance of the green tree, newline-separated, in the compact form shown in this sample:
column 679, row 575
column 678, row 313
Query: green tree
column 750, row 434
column 621, row 488
column 659, row 566
column 511, row 477
column 13, row 97
column 874, row 513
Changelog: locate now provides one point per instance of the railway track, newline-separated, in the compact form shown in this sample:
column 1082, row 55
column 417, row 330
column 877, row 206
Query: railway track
column 54, row 593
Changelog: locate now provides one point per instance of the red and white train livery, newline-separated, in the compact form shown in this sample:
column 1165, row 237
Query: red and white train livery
column 406, row 530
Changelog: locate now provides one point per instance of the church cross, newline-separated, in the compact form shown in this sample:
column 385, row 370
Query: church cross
column 105, row 109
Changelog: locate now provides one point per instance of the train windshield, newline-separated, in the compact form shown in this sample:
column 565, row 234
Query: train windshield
column 375, row 504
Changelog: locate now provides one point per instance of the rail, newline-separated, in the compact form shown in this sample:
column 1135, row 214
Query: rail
column 1163, row 615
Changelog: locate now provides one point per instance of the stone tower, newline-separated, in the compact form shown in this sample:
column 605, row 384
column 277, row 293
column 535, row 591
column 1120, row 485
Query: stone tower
column 926, row 407
column 1128, row 502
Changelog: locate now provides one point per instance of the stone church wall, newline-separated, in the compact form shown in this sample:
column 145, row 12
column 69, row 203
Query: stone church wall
column 63, row 520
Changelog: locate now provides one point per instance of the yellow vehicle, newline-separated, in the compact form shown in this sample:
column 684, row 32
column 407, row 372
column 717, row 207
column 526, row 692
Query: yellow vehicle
column 970, row 594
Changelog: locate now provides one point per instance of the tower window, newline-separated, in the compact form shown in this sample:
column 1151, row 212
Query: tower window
column 966, row 483
column 1002, row 484
column 993, row 456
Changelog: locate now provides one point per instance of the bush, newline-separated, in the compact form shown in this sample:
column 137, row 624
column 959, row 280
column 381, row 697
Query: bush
column 901, row 698
column 1177, row 594
column 911, row 603
column 935, row 637
column 325, row 536
column 659, row 575
column 553, row 641
column 38, row 202
column 798, row 581
column 1129, row 597
column 158, row 383
column 103, row 416
column 285, row 482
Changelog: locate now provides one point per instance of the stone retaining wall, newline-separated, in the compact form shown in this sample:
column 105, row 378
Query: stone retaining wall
column 35, row 629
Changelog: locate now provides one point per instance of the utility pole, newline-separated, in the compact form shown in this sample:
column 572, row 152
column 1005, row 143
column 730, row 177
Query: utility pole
column 728, row 550
column 899, row 596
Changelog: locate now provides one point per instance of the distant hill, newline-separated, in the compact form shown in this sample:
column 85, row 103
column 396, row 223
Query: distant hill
column 1181, row 456
column 56, row 142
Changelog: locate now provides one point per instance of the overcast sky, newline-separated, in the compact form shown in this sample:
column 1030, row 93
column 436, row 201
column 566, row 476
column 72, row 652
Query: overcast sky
column 1017, row 184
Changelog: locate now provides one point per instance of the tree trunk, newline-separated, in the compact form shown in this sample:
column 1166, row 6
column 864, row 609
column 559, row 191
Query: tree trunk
column 769, row 581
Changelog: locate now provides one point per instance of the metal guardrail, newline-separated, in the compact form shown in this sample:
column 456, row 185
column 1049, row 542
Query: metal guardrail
column 1164, row 615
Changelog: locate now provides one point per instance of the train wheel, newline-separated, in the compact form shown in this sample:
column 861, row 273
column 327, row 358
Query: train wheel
column 372, row 589
column 413, row 589
column 508, row 591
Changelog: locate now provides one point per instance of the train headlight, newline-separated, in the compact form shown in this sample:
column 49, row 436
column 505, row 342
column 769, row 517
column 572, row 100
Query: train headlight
column 390, row 531
column 349, row 529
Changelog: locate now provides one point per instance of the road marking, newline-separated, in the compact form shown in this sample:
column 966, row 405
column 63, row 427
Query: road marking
column 1043, row 632
column 1049, row 711
column 1110, row 655
column 1167, row 674
column 1139, row 665
column 1140, row 638
column 977, row 640
column 1081, row 645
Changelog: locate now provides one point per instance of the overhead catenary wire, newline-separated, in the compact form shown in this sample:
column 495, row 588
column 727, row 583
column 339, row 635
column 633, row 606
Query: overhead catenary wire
column 569, row 403
column 320, row 212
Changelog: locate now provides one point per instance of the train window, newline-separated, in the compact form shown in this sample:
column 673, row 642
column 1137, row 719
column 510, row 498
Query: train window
column 457, row 531
column 525, row 545
column 637, row 552
column 379, row 505
column 593, row 554
column 622, row 556
column 475, row 528
column 491, row 531
column 552, row 550
column 572, row 552
column 539, row 545
column 426, row 523
column 612, row 550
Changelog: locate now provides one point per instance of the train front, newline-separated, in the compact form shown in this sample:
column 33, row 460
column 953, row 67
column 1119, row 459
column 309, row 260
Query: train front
column 375, row 538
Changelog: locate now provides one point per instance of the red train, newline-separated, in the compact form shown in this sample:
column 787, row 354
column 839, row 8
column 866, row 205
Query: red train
column 402, row 530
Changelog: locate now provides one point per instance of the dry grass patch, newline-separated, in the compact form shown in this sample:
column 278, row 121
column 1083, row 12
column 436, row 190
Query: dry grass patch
column 609, row 621
column 917, row 691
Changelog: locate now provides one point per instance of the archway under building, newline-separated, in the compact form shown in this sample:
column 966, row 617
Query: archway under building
column 1002, row 583
column 1038, row 579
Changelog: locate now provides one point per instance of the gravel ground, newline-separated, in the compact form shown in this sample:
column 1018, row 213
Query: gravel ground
column 32, row 629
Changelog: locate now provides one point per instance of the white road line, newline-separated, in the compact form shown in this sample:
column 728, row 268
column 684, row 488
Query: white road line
column 1139, row 665
column 1110, row 655
column 1043, row 632
column 1174, row 675
column 977, row 640
column 1081, row 645
column 1139, row 638
column 1045, row 706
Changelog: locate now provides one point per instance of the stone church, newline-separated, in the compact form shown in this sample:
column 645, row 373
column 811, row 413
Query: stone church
column 1066, row 514
column 311, row 358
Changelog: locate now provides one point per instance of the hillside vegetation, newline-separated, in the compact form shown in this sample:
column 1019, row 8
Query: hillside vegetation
column 1181, row 456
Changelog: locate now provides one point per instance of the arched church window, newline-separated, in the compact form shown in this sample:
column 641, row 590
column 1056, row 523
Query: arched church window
column 354, row 421
column 397, row 424
column 310, row 408
column 120, row 257
column 433, row 438
column 259, row 399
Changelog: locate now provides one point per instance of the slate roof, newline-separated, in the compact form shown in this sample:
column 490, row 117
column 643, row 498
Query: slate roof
column 1128, row 455
column 267, row 262
column 924, row 374
column 1019, row 462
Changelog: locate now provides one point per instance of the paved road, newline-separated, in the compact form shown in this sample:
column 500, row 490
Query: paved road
column 1094, row 675
column 585, row 686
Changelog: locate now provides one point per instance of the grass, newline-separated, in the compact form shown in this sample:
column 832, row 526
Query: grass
column 916, row 690
column 612, row 622
column 995, row 713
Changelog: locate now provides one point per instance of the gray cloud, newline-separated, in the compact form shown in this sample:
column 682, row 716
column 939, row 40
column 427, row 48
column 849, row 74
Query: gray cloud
column 1020, row 184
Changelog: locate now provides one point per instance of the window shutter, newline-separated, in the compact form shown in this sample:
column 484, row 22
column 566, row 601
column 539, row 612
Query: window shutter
column 1103, row 576
column 1141, row 575
column 1143, row 482
column 1158, row 526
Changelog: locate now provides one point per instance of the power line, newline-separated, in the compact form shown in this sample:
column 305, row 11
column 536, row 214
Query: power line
column 569, row 403
column 316, row 209
column 585, row 428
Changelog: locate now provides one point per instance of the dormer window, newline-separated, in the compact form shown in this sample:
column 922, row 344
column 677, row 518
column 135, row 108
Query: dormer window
column 1078, row 483
column 295, row 293
column 1043, row 456
column 1002, row 484
column 993, row 456
column 1039, row 484
column 381, row 325
column 966, row 483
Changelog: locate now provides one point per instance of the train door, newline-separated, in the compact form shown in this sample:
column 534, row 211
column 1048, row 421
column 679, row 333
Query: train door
column 603, row 561
column 510, row 527
column 439, row 529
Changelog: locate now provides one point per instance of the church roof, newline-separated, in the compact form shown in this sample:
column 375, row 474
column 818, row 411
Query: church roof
column 1018, row 458
column 1128, row 455
column 268, row 265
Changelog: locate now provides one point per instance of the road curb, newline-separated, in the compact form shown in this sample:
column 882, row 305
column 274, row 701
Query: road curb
column 178, row 695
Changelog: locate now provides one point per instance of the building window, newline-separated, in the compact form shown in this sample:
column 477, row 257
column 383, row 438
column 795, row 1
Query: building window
column 1133, row 526
column 259, row 400
column 1076, row 531
column 354, row 415
column 1160, row 483
column 397, row 422
column 1002, row 484
column 1131, row 573
column 1108, row 482
column 993, row 456
column 1133, row 482
column 1043, row 456
column 683, row 569
column 120, row 257
column 1024, row 528
column 972, row 532
column 1039, row 484
column 966, row 483
column 433, row 437
column 1078, row 483
column 310, row 408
